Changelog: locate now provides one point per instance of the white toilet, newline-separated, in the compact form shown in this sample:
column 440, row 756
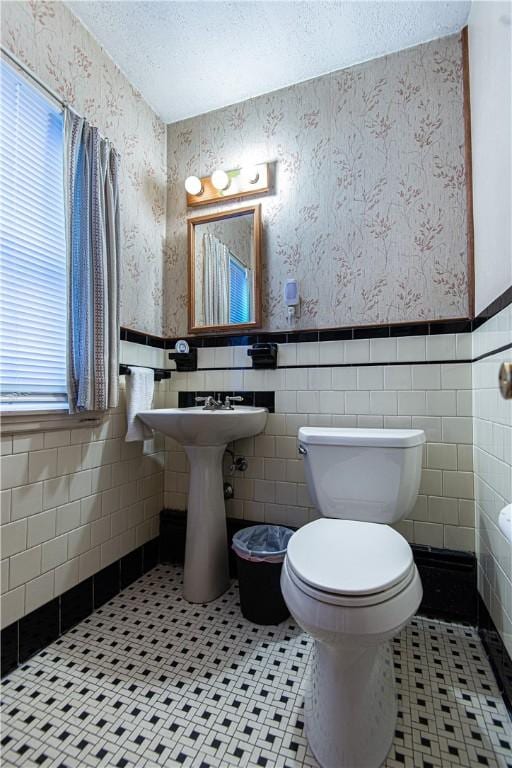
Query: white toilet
column 350, row 581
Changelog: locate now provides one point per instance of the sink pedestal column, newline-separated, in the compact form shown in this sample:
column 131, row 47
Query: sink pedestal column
column 206, row 574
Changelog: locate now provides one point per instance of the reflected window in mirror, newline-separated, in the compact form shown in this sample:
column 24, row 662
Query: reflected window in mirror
column 239, row 292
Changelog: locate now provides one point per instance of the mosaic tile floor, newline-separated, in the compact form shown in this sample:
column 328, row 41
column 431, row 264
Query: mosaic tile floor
column 149, row 680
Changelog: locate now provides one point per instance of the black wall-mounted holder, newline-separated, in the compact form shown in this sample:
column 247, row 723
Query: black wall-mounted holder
column 263, row 355
column 185, row 361
column 159, row 373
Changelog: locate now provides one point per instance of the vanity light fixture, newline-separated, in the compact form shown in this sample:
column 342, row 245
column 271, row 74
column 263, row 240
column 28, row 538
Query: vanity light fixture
column 193, row 185
column 230, row 184
column 220, row 180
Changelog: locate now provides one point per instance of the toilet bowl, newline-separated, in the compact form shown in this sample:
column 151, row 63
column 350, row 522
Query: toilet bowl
column 350, row 582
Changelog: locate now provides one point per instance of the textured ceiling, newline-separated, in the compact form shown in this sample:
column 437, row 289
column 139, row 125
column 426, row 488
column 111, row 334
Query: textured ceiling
column 187, row 58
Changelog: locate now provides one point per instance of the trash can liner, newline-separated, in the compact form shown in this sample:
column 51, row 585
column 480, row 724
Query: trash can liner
column 262, row 543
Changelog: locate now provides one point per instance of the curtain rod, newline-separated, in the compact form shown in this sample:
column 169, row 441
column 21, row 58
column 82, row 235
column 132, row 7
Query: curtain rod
column 54, row 95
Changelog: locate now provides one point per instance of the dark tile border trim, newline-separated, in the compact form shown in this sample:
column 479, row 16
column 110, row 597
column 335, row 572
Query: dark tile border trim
column 496, row 306
column 337, row 334
column 30, row 634
column 126, row 334
column 492, row 352
column 423, row 328
column 373, row 364
column 448, row 576
column 354, row 365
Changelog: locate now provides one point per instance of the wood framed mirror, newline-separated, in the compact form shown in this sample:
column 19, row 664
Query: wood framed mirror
column 224, row 271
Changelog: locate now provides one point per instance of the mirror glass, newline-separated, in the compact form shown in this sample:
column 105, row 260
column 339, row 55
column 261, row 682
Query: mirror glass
column 224, row 270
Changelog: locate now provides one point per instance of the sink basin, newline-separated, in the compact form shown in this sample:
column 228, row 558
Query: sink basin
column 195, row 426
column 204, row 436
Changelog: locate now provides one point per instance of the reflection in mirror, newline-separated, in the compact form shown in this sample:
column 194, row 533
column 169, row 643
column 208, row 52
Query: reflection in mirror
column 224, row 270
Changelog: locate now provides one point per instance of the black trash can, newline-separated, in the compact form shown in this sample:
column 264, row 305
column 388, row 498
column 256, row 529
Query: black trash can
column 260, row 551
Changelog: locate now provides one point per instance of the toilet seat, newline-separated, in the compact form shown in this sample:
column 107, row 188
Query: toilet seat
column 347, row 601
column 347, row 562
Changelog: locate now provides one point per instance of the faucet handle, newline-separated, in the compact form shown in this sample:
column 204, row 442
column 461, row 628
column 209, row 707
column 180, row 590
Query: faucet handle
column 208, row 401
column 232, row 399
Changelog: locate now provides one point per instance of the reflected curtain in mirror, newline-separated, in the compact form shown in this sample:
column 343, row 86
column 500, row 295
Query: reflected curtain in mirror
column 216, row 270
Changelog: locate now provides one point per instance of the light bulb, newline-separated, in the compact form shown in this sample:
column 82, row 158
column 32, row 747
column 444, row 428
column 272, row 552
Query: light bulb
column 193, row 185
column 249, row 174
column 220, row 180
column 234, row 185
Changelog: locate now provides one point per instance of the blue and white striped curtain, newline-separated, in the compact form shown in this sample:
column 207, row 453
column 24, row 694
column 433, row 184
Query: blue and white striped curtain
column 93, row 244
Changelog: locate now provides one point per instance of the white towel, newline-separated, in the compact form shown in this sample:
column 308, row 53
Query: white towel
column 139, row 397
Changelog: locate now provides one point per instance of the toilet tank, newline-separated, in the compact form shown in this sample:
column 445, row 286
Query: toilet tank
column 371, row 475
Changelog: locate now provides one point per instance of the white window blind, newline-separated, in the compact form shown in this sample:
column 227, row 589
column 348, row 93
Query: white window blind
column 239, row 292
column 32, row 249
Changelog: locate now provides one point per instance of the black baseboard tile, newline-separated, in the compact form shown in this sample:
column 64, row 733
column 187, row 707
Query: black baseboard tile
column 38, row 629
column 106, row 584
column 449, row 584
column 448, row 576
column 76, row 604
column 9, row 648
column 32, row 633
column 131, row 567
column 173, row 526
column 150, row 555
column 497, row 653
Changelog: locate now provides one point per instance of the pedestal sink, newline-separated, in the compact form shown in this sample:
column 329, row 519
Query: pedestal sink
column 205, row 435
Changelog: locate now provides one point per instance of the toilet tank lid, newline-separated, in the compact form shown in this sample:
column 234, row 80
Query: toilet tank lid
column 379, row 438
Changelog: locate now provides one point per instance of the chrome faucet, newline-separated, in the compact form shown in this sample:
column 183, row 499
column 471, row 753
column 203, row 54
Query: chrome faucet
column 211, row 404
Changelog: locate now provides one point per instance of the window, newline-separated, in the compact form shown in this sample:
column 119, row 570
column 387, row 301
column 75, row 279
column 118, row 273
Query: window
column 239, row 292
column 32, row 249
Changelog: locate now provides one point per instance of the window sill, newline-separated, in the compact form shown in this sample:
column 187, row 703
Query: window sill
column 45, row 421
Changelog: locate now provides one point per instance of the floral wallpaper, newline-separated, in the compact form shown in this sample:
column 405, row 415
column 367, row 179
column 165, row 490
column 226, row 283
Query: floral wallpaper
column 369, row 206
column 60, row 51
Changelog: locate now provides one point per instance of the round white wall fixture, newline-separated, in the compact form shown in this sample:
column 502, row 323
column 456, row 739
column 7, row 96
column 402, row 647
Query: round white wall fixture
column 193, row 185
column 249, row 174
column 220, row 180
